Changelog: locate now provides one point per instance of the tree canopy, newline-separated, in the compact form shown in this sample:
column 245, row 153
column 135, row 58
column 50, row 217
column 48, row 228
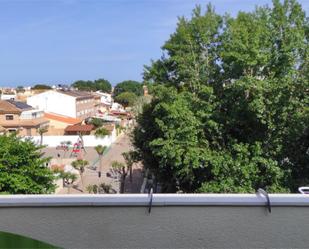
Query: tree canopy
column 126, row 98
column 229, row 111
column 97, row 85
column 23, row 168
column 128, row 86
column 41, row 87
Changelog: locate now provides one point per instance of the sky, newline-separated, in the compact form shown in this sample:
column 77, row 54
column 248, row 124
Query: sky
column 61, row 41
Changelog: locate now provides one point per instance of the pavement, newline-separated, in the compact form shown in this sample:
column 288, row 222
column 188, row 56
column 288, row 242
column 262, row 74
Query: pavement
column 90, row 176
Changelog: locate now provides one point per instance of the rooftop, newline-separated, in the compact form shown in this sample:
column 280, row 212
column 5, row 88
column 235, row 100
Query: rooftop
column 79, row 128
column 63, row 119
column 24, row 122
column 20, row 105
column 77, row 94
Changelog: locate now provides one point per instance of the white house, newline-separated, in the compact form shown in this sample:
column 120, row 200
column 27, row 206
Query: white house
column 106, row 98
column 74, row 104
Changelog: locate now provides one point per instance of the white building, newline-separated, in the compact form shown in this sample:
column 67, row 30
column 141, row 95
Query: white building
column 117, row 107
column 72, row 104
column 106, row 98
column 8, row 96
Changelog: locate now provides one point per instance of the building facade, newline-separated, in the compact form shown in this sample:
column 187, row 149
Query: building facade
column 19, row 117
column 74, row 104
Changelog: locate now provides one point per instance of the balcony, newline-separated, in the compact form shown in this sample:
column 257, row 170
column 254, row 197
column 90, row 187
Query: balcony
column 174, row 220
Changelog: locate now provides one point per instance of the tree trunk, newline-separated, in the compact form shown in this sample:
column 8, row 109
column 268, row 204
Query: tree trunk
column 82, row 182
column 131, row 172
column 100, row 163
column 41, row 142
column 122, row 184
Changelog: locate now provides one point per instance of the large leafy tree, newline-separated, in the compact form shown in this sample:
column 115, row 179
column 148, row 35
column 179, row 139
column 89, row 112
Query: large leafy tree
column 23, row 168
column 128, row 86
column 126, row 98
column 229, row 111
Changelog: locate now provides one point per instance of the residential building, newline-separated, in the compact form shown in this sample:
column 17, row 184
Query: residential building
column 18, row 116
column 7, row 94
column 106, row 98
column 74, row 104
column 79, row 129
column 117, row 107
column 97, row 101
column 57, row 123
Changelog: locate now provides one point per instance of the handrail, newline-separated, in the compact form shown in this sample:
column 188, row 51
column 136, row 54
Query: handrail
column 158, row 200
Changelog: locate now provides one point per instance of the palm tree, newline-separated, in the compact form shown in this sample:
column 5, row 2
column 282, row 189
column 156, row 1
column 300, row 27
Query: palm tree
column 68, row 179
column 100, row 150
column 130, row 158
column 80, row 166
column 41, row 131
column 67, row 147
column 120, row 168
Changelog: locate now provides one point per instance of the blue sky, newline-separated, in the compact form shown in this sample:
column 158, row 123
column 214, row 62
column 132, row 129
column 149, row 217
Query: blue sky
column 60, row 41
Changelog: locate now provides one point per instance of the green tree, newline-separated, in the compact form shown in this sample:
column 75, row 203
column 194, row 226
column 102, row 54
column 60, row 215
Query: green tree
column 100, row 150
column 128, row 86
column 122, row 170
column 130, row 158
column 41, row 87
column 97, row 85
column 126, row 98
column 20, row 89
column 101, row 132
column 229, row 102
column 41, row 131
column 92, row 188
column 97, row 122
column 80, row 165
column 68, row 179
column 103, row 85
column 23, row 168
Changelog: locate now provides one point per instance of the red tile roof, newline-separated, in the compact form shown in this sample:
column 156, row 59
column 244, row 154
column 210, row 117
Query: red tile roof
column 79, row 128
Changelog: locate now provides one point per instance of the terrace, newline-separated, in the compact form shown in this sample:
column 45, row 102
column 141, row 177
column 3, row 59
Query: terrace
column 159, row 220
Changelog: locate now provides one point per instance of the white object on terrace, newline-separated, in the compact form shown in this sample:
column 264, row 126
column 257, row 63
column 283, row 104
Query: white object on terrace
column 303, row 190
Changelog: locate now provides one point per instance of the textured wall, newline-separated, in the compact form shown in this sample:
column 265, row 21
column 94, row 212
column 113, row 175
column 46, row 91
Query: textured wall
column 165, row 227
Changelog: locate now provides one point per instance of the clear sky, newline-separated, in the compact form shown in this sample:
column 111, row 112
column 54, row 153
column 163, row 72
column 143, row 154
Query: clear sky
column 60, row 41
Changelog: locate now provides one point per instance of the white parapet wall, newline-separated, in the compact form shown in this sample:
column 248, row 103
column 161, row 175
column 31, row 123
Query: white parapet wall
column 89, row 140
column 174, row 220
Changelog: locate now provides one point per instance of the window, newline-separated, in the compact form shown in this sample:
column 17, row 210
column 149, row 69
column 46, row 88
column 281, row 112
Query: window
column 9, row 117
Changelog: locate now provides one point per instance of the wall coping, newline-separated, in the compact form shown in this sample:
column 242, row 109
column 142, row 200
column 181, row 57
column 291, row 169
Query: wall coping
column 157, row 200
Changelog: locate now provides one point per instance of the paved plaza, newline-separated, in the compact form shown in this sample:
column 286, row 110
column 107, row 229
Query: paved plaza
column 122, row 144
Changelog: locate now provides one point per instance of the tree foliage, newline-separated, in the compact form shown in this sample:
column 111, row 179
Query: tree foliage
column 101, row 132
column 128, row 86
column 41, row 87
column 126, row 98
column 23, row 168
column 229, row 111
column 97, row 85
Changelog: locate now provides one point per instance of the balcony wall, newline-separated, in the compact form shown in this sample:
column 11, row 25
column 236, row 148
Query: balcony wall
column 175, row 221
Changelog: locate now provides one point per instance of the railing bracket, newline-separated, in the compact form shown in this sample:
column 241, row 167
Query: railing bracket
column 265, row 194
